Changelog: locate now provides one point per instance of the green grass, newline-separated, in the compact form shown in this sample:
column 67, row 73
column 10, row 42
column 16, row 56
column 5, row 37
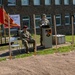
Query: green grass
column 68, row 39
column 4, row 48
column 2, row 59
column 37, row 38
column 24, row 55
column 45, row 51
column 48, row 51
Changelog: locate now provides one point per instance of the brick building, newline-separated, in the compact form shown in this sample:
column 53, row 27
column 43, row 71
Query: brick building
column 62, row 9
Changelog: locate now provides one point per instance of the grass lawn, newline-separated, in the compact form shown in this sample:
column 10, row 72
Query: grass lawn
column 68, row 39
column 45, row 51
column 48, row 51
column 20, row 42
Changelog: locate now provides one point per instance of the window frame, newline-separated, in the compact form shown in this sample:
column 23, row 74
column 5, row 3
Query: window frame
column 1, row 2
column 36, row 2
column 25, row 4
column 38, row 18
column 74, row 18
column 73, row 2
column 10, row 4
column 67, row 15
column 67, row 3
column 48, row 16
column 48, row 2
column 58, row 17
column 26, row 19
column 57, row 2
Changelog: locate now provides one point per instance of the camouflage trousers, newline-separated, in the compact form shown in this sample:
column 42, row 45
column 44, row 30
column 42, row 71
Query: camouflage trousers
column 26, row 42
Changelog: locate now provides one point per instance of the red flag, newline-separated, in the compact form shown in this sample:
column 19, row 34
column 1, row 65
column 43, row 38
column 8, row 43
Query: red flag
column 1, row 16
column 4, row 17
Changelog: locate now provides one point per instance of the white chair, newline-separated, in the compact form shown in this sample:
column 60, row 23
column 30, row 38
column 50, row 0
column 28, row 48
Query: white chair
column 15, row 43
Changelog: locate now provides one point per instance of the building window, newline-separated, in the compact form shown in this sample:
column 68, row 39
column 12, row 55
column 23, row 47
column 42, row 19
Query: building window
column 73, row 2
column 57, row 2
column 49, row 18
column 11, row 2
column 36, row 2
column 67, row 19
column 47, row 2
column 66, row 2
column 37, row 20
column 74, row 18
column 25, row 2
column 58, row 19
column 0, row 2
column 26, row 21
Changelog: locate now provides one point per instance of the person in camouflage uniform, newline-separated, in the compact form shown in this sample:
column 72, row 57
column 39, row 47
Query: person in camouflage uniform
column 43, row 21
column 26, row 38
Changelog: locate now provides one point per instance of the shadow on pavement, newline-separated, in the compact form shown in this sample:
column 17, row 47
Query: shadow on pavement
column 21, row 51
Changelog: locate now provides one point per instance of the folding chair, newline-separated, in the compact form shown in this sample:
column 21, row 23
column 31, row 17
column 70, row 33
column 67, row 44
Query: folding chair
column 15, row 43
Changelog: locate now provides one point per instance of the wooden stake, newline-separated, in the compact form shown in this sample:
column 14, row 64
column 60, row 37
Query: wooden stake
column 55, row 32
column 72, row 32
column 34, row 34
column 4, row 23
column 10, row 57
column 0, row 35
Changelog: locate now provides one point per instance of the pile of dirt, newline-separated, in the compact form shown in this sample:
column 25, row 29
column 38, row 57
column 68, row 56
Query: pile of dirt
column 53, row 64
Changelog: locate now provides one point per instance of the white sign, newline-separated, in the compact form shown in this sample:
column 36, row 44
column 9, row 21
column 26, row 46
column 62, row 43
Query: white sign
column 16, row 18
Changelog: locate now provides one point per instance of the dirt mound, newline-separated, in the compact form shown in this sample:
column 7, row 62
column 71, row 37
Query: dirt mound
column 54, row 64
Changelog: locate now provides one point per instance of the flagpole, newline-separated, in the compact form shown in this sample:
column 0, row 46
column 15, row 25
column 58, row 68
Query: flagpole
column 0, row 35
column 34, row 34
column 72, row 30
column 55, row 32
column 1, row 31
column 4, row 23
column 10, row 53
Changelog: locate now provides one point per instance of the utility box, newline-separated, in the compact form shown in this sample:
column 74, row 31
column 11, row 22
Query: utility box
column 47, row 37
column 60, row 39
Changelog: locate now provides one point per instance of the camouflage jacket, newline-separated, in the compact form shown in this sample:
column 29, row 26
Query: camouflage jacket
column 44, row 22
column 26, row 35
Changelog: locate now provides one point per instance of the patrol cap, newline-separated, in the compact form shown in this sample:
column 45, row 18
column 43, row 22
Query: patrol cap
column 43, row 14
column 25, row 26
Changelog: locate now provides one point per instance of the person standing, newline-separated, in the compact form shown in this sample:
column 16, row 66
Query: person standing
column 44, row 21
